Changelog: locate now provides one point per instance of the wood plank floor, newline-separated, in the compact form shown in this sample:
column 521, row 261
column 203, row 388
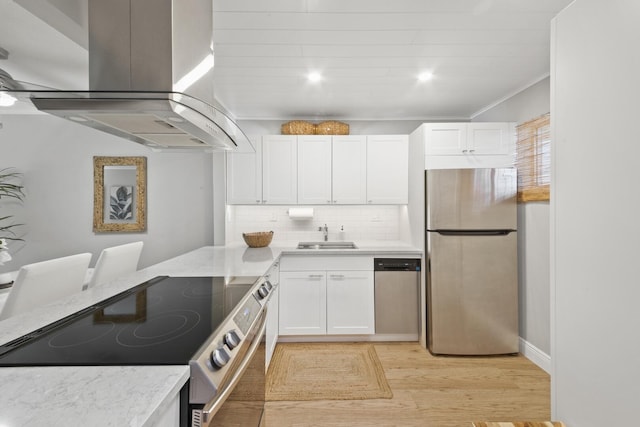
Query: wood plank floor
column 432, row 391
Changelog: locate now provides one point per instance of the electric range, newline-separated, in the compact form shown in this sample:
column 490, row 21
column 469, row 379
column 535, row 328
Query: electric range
column 208, row 323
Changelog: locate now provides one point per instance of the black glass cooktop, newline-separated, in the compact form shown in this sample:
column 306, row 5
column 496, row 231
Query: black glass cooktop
column 160, row 322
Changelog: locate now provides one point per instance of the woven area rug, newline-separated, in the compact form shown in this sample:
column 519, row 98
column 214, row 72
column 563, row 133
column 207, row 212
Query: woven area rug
column 520, row 424
column 321, row 371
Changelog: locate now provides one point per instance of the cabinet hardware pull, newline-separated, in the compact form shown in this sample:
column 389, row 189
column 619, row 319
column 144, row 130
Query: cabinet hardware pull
column 464, row 151
column 315, row 276
column 472, row 151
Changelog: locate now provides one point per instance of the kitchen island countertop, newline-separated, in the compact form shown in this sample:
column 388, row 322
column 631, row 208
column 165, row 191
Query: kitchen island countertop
column 121, row 395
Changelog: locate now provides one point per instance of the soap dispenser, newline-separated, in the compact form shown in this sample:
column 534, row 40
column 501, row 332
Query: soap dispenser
column 341, row 233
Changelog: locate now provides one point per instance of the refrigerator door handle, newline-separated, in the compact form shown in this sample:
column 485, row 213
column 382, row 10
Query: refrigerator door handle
column 473, row 232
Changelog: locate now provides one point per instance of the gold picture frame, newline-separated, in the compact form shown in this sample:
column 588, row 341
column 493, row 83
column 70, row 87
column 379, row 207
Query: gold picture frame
column 119, row 194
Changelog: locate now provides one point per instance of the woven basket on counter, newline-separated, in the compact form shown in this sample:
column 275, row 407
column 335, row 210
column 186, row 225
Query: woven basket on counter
column 298, row 127
column 258, row 239
column 332, row 127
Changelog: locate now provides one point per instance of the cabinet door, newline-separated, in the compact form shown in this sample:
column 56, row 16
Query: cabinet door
column 272, row 326
column 446, row 139
column 303, row 303
column 488, row 138
column 349, row 161
column 279, row 170
column 387, row 169
column 273, row 276
column 314, row 170
column 244, row 177
column 350, row 302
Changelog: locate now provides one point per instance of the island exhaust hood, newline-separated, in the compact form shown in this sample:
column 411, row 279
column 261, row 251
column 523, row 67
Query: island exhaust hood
column 150, row 77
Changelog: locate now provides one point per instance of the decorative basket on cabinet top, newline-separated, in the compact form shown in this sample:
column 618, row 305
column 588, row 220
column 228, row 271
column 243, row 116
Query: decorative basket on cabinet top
column 298, row 127
column 332, row 127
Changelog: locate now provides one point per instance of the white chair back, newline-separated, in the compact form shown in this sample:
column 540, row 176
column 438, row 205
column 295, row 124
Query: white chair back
column 40, row 283
column 116, row 262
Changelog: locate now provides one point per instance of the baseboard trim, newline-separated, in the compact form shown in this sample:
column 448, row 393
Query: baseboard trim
column 349, row 338
column 537, row 356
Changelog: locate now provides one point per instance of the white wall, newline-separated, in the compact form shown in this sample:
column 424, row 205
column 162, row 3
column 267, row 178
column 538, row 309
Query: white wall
column 56, row 157
column 356, row 127
column 533, row 230
column 522, row 106
column 361, row 223
column 594, row 213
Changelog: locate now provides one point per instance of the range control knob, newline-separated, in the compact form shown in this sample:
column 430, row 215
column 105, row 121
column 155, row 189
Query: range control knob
column 268, row 285
column 219, row 357
column 231, row 339
column 263, row 292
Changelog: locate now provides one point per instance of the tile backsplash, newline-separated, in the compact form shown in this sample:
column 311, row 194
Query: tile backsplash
column 359, row 222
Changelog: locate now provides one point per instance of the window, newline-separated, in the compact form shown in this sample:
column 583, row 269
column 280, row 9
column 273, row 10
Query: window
column 534, row 159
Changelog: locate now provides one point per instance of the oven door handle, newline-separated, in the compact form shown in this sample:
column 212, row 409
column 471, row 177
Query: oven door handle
column 214, row 405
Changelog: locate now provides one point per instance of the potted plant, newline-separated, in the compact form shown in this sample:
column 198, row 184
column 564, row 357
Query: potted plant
column 9, row 189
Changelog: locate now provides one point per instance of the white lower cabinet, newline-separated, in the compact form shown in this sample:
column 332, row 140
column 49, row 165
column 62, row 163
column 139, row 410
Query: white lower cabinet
column 350, row 302
column 271, row 338
column 303, row 303
column 271, row 334
column 327, row 302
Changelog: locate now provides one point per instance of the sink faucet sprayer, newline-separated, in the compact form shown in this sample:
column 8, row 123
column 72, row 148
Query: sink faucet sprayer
column 325, row 232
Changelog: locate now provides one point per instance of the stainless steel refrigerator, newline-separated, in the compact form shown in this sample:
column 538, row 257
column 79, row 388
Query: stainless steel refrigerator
column 472, row 261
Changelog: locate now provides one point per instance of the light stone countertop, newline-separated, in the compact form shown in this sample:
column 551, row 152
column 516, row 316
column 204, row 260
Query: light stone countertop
column 126, row 395
column 380, row 247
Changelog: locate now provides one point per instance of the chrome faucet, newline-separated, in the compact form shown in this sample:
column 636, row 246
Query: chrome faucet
column 325, row 232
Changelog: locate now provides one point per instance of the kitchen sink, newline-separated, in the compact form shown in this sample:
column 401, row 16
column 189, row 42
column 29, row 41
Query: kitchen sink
column 327, row 245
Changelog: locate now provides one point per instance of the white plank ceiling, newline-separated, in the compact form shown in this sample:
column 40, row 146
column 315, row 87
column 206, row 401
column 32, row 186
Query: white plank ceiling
column 369, row 53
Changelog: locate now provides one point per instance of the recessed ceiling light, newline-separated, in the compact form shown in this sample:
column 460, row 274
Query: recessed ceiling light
column 314, row 77
column 425, row 77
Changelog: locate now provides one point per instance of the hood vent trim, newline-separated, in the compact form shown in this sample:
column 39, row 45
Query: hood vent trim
column 157, row 120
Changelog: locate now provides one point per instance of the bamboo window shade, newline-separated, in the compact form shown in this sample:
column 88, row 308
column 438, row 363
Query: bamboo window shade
column 534, row 159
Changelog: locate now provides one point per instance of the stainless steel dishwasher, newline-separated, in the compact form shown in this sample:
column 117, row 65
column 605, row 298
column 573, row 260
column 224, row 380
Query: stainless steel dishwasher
column 397, row 305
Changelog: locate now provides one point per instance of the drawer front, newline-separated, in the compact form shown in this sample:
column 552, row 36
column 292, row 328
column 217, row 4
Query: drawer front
column 326, row 262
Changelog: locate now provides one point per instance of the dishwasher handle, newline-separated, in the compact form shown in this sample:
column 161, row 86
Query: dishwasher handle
column 396, row 264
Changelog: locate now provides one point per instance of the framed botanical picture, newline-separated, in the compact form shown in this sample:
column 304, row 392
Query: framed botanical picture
column 119, row 194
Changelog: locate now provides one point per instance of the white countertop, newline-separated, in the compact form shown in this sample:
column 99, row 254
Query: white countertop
column 125, row 395
column 379, row 247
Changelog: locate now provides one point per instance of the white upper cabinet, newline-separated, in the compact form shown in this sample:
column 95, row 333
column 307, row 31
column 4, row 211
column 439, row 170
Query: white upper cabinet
column 488, row 138
column 445, row 138
column 244, row 177
column 332, row 170
column 268, row 176
column 320, row 170
column 387, row 169
column 349, row 161
column 450, row 139
column 279, row 170
column 314, row 169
